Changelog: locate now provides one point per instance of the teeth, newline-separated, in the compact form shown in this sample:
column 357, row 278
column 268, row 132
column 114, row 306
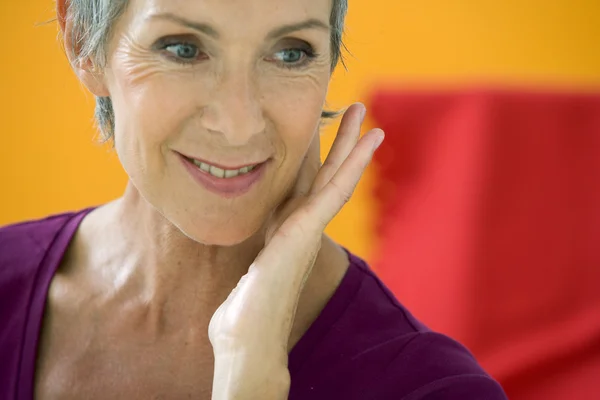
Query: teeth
column 231, row 174
column 218, row 172
column 222, row 173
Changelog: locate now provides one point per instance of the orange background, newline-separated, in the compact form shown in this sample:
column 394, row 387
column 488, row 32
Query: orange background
column 49, row 162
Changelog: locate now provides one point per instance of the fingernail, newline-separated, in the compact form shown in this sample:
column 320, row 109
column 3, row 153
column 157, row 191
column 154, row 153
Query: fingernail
column 378, row 142
column 363, row 113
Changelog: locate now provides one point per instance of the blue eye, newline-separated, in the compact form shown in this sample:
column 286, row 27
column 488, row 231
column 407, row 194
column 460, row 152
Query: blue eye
column 290, row 56
column 294, row 57
column 184, row 51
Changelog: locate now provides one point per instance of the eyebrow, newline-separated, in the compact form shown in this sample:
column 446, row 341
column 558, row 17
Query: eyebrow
column 207, row 29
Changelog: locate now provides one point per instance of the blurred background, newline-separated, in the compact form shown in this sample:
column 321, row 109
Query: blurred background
column 481, row 210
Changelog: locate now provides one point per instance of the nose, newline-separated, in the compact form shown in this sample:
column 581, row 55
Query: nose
column 234, row 108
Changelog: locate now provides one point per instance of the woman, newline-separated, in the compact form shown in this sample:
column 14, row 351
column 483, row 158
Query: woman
column 211, row 277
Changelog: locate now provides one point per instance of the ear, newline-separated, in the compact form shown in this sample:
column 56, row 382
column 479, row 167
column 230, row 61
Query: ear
column 88, row 73
column 61, row 13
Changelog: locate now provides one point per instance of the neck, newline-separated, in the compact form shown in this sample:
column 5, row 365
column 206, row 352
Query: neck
column 142, row 254
column 162, row 258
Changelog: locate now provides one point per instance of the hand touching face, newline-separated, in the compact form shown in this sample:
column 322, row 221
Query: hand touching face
column 216, row 103
column 252, row 327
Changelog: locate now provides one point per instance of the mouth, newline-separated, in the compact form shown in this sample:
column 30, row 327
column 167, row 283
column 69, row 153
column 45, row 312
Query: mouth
column 226, row 181
column 222, row 172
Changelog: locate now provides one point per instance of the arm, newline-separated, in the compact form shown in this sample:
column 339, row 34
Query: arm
column 250, row 331
column 244, row 375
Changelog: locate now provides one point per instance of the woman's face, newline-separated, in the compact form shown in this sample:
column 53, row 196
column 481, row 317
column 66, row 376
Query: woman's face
column 216, row 103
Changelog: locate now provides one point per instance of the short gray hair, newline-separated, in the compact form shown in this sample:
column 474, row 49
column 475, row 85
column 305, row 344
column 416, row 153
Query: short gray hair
column 92, row 23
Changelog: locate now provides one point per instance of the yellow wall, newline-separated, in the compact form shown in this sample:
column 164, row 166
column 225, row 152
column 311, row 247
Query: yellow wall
column 49, row 163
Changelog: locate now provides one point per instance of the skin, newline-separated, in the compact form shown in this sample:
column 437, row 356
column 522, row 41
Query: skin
column 173, row 291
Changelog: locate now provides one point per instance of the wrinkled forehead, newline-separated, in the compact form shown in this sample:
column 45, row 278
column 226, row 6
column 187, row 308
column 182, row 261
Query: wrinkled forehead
column 240, row 17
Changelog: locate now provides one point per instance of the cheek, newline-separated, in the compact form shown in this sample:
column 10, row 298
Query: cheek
column 295, row 105
column 152, row 106
column 304, row 93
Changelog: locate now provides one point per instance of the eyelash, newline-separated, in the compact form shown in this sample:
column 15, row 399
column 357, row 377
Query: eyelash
column 164, row 45
column 309, row 55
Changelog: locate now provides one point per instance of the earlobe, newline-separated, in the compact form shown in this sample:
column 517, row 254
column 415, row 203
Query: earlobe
column 88, row 73
column 85, row 69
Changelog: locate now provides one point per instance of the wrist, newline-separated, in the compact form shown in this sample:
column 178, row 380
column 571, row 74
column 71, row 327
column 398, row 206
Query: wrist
column 242, row 375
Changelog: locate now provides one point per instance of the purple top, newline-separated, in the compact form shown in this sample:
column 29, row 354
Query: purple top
column 363, row 345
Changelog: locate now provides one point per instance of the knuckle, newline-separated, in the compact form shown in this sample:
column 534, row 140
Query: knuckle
column 343, row 194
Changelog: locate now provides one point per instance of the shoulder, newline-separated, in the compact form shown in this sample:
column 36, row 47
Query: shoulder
column 428, row 366
column 25, row 242
column 418, row 363
column 33, row 235
column 23, row 248
column 377, row 349
column 27, row 262
column 24, row 245
column 28, row 253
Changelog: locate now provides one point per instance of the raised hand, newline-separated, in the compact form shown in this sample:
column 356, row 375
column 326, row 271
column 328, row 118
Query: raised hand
column 250, row 331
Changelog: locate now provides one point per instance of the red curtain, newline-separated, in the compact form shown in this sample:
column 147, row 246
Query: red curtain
column 490, row 228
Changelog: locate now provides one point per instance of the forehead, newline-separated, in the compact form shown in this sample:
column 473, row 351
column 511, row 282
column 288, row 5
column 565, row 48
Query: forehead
column 237, row 14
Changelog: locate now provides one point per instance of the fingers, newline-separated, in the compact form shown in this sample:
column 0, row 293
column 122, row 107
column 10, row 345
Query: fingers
column 329, row 201
column 306, row 176
column 346, row 139
column 296, row 241
column 300, row 232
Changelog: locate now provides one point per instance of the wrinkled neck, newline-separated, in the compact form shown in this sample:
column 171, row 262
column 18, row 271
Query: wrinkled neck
column 164, row 260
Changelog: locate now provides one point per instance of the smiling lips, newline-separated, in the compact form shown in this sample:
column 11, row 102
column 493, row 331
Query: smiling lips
column 220, row 172
column 226, row 182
